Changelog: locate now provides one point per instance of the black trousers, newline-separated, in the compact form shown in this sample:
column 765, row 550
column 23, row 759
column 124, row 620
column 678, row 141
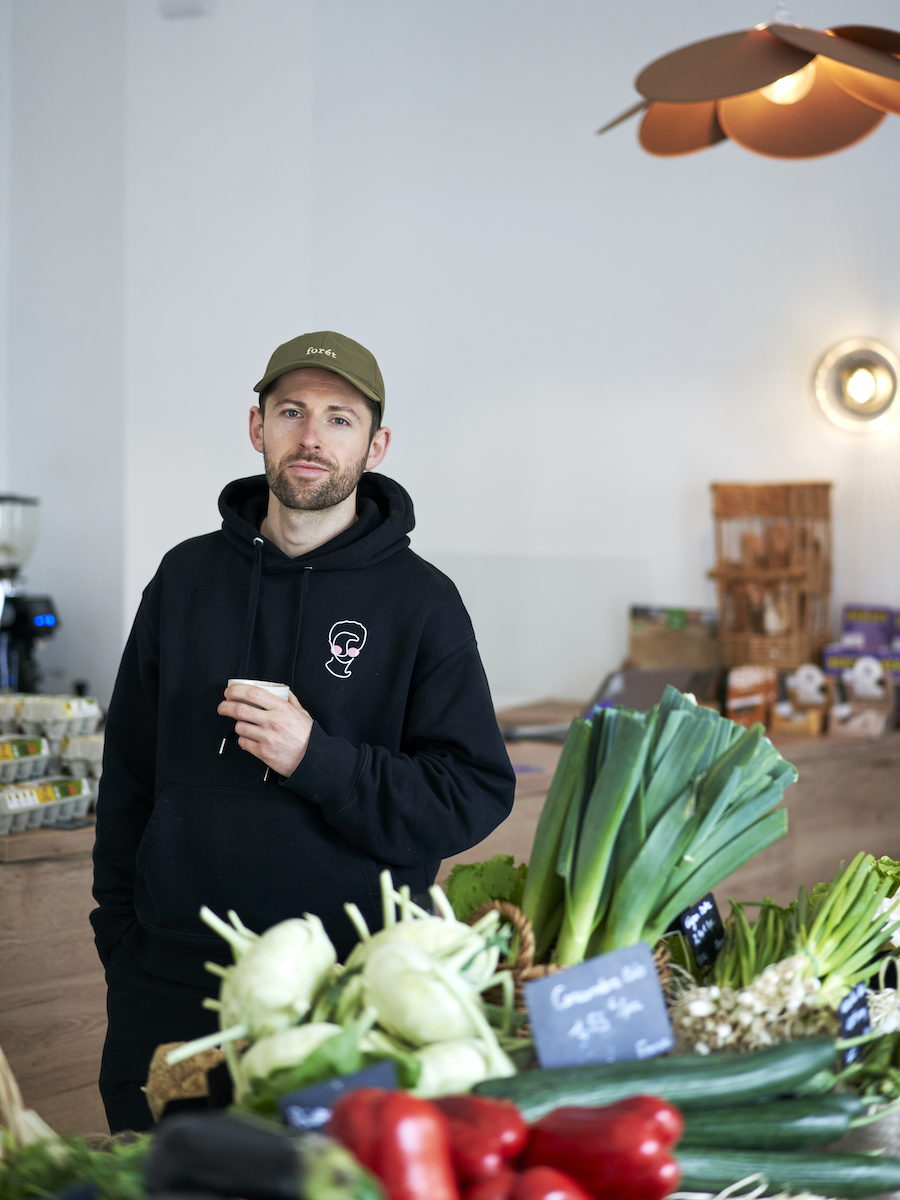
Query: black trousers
column 143, row 1012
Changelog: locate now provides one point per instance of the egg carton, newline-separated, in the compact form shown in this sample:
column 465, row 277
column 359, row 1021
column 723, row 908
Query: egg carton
column 10, row 704
column 82, row 755
column 59, row 716
column 23, row 758
column 31, row 805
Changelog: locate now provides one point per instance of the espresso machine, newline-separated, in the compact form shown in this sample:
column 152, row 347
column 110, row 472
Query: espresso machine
column 24, row 620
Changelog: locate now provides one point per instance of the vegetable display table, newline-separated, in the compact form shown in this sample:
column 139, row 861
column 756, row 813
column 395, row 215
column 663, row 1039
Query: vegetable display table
column 52, row 989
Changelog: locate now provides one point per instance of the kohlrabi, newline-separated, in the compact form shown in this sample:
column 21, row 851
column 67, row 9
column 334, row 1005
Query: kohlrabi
column 272, row 983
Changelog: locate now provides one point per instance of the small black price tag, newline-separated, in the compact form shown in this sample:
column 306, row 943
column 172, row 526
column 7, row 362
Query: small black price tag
column 704, row 932
column 311, row 1107
column 608, row 1009
column 853, row 1012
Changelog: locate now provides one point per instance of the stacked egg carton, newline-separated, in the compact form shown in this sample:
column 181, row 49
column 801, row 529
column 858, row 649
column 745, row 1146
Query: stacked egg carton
column 40, row 736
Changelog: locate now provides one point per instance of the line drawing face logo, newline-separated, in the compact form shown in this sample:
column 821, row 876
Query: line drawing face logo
column 345, row 641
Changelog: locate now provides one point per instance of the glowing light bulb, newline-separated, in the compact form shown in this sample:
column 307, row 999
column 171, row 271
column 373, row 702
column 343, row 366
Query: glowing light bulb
column 861, row 386
column 791, row 88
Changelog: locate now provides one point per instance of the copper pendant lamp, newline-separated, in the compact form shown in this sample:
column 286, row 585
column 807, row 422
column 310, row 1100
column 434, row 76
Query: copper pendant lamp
column 782, row 90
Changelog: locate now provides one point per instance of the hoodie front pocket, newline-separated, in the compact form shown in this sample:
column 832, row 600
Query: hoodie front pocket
column 265, row 853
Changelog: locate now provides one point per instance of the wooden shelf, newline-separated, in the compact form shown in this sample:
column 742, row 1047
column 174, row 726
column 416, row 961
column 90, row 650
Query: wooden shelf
column 46, row 843
column 739, row 574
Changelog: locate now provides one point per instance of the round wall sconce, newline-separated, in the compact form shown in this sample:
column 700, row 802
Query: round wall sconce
column 855, row 385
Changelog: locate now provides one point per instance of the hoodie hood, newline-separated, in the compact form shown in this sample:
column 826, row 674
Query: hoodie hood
column 385, row 518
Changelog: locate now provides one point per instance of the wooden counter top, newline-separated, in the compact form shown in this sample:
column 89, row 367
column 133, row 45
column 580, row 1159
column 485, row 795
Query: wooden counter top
column 46, row 843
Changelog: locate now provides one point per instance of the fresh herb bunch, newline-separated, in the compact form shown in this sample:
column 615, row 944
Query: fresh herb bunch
column 875, row 1075
column 48, row 1168
column 646, row 812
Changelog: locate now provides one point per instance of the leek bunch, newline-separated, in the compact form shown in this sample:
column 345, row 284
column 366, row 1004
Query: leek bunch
column 646, row 813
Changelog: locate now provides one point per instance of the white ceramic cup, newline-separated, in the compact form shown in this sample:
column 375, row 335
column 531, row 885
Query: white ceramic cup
column 281, row 690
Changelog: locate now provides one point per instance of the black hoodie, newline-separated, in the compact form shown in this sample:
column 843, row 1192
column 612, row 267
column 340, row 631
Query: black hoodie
column 405, row 763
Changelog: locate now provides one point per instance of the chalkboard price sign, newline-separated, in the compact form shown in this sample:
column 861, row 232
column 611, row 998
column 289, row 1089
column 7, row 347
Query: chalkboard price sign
column 853, row 1012
column 703, row 930
column 311, row 1107
column 608, row 1009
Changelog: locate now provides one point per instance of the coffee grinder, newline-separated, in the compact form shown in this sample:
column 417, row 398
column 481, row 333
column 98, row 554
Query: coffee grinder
column 24, row 620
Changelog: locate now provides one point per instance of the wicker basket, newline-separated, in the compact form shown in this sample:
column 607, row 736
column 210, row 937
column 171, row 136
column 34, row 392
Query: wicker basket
column 526, row 970
column 783, row 651
column 811, row 500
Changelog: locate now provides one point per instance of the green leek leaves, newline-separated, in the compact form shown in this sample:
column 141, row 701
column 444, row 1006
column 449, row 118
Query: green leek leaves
column 646, row 813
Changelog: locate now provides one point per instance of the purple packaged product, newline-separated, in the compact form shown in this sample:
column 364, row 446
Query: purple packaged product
column 867, row 626
column 838, row 658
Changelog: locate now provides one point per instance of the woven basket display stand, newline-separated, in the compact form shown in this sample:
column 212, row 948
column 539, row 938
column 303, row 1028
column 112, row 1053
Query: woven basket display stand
column 525, row 969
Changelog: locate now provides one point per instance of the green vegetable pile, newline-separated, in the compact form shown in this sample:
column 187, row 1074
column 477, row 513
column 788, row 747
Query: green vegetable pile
column 646, row 812
column 409, row 994
column 48, row 1168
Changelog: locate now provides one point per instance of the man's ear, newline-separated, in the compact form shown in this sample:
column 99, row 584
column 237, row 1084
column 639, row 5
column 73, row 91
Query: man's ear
column 256, row 428
column 378, row 448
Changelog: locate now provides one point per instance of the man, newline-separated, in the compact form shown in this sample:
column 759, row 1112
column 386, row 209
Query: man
column 386, row 754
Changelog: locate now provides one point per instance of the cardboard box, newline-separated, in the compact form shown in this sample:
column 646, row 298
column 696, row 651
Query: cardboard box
column 660, row 638
column 862, row 719
column 866, row 686
column 750, row 695
column 867, row 626
column 796, row 722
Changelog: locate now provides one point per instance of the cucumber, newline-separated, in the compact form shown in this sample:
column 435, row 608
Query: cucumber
column 688, row 1080
column 781, row 1124
column 707, row 1169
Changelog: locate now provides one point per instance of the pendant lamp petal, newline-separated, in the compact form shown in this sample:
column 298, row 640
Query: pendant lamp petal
column 672, row 129
column 870, row 35
column 874, row 90
column 841, row 49
column 721, row 66
column 826, row 119
column 871, row 89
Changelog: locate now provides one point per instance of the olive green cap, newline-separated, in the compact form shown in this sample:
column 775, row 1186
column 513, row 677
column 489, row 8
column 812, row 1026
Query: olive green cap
column 333, row 352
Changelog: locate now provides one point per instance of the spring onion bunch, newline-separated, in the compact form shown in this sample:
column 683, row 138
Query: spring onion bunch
column 646, row 812
column 837, row 929
column 783, row 977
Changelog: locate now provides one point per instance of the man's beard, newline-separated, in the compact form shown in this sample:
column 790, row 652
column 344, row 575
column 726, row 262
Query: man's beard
column 312, row 495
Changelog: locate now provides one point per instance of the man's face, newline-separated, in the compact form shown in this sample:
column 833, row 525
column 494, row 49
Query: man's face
column 315, row 440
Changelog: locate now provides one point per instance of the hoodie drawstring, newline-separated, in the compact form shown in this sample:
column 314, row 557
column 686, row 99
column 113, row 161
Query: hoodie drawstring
column 293, row 669
column 252, row 605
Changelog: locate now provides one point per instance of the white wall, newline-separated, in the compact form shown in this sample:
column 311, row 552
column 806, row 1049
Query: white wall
column 576, row 337
column 5, row 123
column 65, row 290
column 217, row 248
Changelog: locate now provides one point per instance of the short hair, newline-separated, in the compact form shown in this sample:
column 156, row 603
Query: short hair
column 374, row 409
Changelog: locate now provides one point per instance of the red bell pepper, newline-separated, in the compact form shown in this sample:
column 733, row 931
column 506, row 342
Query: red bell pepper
column 485, row 1134
column 494, row 1187
column 619, row 1152
column 537, row 1183
column 546, row 1183
column 401, row 1139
